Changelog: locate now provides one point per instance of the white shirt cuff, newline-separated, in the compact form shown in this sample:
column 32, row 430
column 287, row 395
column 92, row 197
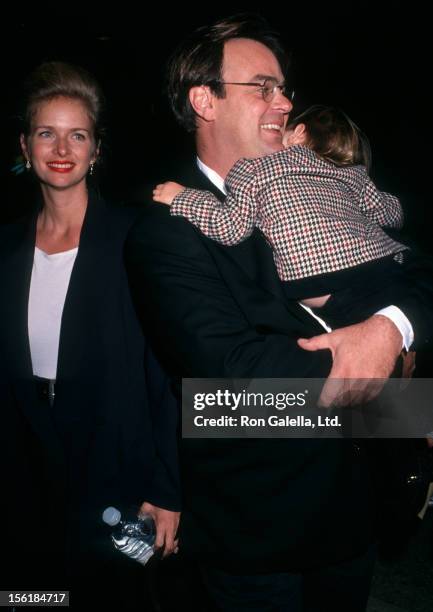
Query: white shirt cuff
column 393, row 313
column 401, row 322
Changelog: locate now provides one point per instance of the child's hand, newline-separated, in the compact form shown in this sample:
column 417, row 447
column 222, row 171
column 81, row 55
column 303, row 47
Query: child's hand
column 166, row 192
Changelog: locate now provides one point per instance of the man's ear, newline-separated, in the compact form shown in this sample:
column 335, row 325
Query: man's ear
column 201, row 99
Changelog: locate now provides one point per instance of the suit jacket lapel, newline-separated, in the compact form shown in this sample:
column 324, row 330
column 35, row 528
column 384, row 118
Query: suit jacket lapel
column 20, row 265
column 254, row 257
column 86, row 285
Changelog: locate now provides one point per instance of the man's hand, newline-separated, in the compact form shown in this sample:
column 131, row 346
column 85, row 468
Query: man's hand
column 166, row 523
column 166, row 192
column 364, row 356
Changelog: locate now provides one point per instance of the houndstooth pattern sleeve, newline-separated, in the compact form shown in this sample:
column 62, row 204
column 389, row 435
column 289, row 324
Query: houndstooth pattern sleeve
column 317, row 217
column 381, row 207
column 227, row 222
column 233, row 220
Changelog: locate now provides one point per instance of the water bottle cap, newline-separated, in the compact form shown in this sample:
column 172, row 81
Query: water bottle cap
column 111, row 516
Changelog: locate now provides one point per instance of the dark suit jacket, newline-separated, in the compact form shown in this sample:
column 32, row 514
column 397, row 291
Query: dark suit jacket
column 110, row 438
column 215, row 311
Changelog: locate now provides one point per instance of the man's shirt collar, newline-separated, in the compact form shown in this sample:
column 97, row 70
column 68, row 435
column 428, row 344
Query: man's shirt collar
column 213, row 176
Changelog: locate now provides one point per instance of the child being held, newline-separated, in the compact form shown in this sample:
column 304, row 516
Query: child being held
column 319, row 211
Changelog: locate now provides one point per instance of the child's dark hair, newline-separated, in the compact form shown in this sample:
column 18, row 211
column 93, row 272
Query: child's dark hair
column 334, row 136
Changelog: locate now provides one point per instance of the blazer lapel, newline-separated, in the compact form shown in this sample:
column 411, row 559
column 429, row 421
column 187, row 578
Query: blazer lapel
column 254, row 257
column 86, row 286
column 20, row 266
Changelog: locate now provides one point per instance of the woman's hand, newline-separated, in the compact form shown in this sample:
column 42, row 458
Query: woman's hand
column 166, row 522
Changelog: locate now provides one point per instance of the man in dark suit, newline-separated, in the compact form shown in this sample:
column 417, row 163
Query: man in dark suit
column 276, row 524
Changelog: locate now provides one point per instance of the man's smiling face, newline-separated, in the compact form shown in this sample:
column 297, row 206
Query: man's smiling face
column 250, row 127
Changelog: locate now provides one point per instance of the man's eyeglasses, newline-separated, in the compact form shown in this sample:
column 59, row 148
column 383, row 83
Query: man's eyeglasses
column 268, row 88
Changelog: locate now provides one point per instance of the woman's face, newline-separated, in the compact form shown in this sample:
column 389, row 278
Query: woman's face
column 61, row 144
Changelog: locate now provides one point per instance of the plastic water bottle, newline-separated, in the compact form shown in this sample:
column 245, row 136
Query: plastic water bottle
column 134, row 535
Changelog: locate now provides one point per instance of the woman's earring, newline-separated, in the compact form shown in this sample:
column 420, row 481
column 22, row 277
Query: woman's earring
column 28, row 164
column 91, row 168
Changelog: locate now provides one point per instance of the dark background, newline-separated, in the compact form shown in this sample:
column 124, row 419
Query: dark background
column 377, row 68
column 372, row 60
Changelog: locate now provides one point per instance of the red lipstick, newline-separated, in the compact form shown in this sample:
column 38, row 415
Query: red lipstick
column 61, row 166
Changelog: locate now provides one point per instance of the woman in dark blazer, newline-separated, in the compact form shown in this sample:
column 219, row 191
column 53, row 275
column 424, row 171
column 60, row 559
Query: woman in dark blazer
column 87, row 416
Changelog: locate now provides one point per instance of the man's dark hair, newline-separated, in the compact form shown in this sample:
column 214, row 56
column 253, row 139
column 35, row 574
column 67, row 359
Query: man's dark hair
column 198, row 60
column 334, row 136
